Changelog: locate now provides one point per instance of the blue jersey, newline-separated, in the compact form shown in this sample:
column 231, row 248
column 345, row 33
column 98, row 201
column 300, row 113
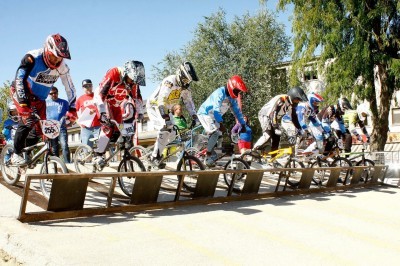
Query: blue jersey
column 34, row 78
column 56, row 109
column 305, row 115
column 218, row 103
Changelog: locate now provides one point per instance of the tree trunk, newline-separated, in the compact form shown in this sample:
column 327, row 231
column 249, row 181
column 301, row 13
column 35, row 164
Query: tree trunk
column 380, row 109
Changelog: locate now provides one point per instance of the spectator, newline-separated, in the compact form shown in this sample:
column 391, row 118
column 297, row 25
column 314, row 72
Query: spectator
column 56, row 109
column 85, row 105
column 10, row 124
column 179, row 119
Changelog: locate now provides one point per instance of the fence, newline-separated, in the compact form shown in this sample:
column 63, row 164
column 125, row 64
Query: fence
column 70, row 195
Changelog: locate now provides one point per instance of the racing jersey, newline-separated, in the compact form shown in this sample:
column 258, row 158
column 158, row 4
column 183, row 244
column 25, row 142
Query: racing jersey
column 278, row 107
column 168, row 93
column 35, row 79
column 113, row 90
column 306, row 114
column 218, row 103
column 351, row 120
column 329, row 115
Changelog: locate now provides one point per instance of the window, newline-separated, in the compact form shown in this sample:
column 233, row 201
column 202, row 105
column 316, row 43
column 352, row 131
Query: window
column 395, row 116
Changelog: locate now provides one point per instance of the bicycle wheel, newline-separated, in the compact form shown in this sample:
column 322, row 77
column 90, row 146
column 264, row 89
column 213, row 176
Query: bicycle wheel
column 292, row 177
column 236, row 164
column 251, row 157
column 83, row 159
column 11, row 174
column 143, row 154
column 321, row 176
column 54, row 166
column 367, row 172
column 344, row 176
column 133, row 164
column 189, row 163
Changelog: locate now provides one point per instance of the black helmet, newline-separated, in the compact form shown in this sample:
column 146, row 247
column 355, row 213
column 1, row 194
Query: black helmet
column 344, row 104
column 135, row 71
column 297, row 93
column 186, row 74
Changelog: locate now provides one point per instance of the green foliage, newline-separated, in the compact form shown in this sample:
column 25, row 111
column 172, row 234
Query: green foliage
column 249, row 46
column 360, row 36
column 4, row 100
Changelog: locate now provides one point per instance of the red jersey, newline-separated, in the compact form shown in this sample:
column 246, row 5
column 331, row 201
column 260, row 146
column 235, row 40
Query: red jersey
column 87, row 101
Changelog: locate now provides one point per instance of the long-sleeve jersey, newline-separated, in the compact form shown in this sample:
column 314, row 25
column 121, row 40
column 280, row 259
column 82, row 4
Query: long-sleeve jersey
column 218, row 103
column 35, row 79
column 351, row 120
column 168, row 93
column 278, row 107
column 112, row 90
column 328, row 115
column 306, row 114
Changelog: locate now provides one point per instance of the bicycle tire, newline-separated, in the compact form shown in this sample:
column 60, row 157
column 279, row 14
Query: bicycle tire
column 344, row 173
column 293, row 163
column 236, row 164
column 83, row 159
column 11, row 174
column 132, row 164
column 320, row 176
column 189, row 163
column 367, row 172
column 249, row 157
column 141, row 153
column 54, row 166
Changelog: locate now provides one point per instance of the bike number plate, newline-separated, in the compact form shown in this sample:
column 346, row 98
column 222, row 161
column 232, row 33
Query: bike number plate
column 51, row 128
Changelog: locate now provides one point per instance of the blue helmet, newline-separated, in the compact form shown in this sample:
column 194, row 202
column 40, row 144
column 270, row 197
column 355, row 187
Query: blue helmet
column 314, row 98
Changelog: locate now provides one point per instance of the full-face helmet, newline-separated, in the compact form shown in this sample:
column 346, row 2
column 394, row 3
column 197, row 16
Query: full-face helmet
column 363, row 112
column 55, row 46
column 314, row 99
column 12, row 112
column 135, row 71
column 185, row 74
column 235, row 86
column 297, row 93
column 344, row 104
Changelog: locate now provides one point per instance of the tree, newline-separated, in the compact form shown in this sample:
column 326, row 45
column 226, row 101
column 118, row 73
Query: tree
column 249, row 46
column 362, row 39
column 4, row 99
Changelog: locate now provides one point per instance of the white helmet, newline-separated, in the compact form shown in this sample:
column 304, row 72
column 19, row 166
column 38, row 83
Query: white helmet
column 11, row 107
column 363, row 111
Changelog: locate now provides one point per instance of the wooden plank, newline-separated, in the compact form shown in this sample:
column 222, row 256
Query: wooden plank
column 378, row 171
column 357, row 172
column 67, row 194
column 146, row 189
column 306, row 178
column 206, row 185
column 333, row 177
column 252, row 183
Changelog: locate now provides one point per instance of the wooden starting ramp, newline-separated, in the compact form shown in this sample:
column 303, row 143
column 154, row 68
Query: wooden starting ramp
column 70, row 195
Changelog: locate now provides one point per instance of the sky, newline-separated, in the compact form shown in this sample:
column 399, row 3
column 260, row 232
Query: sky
column 104, row 34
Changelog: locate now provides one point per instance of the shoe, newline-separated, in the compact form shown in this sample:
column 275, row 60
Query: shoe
column 157, row 163
column 210, row 162
column 18, row 159
column 99, row 161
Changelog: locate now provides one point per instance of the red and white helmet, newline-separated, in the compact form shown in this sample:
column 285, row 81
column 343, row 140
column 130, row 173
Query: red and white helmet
column 55, row 45
column 235, row 85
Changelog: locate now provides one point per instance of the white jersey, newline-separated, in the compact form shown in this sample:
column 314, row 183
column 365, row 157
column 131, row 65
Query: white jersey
column 168, row 93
